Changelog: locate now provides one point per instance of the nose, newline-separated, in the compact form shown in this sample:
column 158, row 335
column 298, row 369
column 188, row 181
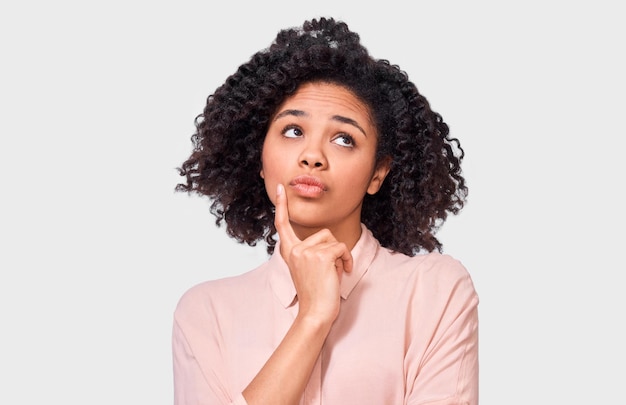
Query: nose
column 313, row 156
column 314, row 164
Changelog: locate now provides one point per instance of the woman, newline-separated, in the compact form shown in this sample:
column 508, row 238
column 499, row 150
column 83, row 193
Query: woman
column 339, row 155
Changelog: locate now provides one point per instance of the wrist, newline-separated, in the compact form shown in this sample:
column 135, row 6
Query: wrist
column 313, row 323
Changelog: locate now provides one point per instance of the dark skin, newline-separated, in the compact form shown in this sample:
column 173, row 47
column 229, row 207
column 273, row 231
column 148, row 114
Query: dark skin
column 317, row 246
column 403, row 187
column 316, row 265
column 423, row 186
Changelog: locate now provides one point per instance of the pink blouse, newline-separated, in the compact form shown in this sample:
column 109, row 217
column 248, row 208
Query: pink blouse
column 407, row 333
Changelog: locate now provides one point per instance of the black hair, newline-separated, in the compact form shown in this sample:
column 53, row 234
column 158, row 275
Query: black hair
column 425, row 182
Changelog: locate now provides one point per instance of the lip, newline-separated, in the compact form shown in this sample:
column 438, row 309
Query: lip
column 308, row 186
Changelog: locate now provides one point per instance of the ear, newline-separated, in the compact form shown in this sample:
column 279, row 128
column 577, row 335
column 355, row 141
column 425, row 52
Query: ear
column 262, row 174
column 381, row 171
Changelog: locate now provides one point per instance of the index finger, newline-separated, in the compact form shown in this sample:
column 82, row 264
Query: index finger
column 286, row 233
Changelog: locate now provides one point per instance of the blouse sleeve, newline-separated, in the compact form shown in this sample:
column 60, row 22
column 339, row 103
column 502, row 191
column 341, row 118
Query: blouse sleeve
column 448, row 370
column 192, row 385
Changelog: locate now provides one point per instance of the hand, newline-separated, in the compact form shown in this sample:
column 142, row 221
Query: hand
column 316, row 265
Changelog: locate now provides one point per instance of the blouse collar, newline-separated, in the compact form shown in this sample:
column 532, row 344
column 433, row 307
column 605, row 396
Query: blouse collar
column 363, row 254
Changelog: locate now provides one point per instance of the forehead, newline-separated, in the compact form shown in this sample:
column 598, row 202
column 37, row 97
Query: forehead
column 327, row 97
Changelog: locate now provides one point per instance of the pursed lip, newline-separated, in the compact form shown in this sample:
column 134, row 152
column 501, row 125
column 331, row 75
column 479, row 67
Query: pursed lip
column 308, row 186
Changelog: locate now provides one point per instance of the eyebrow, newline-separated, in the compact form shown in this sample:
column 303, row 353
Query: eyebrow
column 339, row 118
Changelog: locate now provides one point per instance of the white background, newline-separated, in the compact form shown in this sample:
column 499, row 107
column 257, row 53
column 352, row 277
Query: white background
column 97, row 101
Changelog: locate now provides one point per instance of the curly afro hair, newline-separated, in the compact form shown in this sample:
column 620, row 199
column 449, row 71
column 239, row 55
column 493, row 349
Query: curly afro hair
column 425, row 182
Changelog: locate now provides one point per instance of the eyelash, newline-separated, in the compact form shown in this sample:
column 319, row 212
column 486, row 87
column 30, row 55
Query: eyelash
column 288, row 128
column 348, row 138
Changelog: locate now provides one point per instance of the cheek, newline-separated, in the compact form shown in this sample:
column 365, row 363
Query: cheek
column 270, row 170
column 274, row 160
column 266, row 165
column 356, row 176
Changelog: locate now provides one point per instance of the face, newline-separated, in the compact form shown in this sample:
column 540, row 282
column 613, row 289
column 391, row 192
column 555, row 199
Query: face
column 321, row 145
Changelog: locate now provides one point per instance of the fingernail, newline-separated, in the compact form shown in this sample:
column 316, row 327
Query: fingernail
column 279, row 190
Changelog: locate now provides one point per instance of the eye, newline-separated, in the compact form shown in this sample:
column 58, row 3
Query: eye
column 344, row 140
column 292, row 132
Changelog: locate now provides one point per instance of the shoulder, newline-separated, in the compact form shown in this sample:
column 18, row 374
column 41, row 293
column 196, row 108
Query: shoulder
column 428, row 272
column 441, row 266
column 433, row 264
column 448, row 280
column 436, row 288
column 215, row 295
